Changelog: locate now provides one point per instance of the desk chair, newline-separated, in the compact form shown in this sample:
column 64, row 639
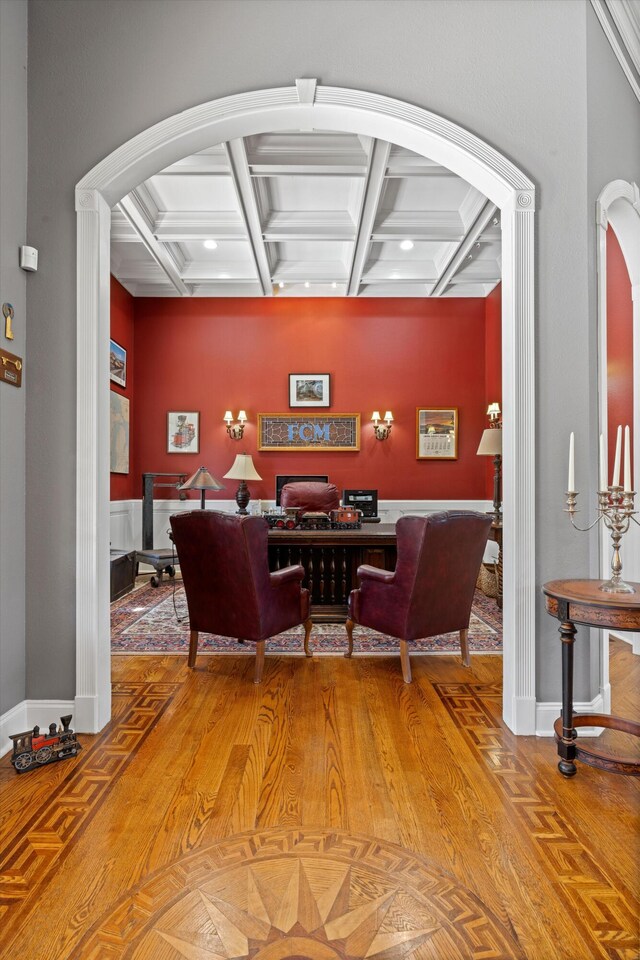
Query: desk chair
column 431, row 589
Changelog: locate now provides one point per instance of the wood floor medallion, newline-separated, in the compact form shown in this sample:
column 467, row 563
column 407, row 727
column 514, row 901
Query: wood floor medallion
column 285, row 894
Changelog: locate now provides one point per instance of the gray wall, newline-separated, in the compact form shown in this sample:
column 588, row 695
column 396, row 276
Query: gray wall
column 13, row 224
column 512, row 71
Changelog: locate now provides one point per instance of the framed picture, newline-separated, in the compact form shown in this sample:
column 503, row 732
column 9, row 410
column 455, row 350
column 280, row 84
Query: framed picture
column 309, row 431
column 183, row 432
column 119, row 433
column 309, row 390
column 117, row 363
column 437, row 433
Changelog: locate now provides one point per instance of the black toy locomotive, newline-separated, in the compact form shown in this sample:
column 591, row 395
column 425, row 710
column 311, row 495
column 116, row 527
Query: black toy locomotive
column 34, row 749
column 343, row 518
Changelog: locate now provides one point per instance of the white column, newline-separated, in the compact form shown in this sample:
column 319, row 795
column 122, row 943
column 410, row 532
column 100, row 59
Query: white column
column 518, row 431
column 93, row 668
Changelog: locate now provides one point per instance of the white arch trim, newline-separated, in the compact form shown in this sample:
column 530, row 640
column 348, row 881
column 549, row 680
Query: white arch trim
column 303, row 106
column 618, row 206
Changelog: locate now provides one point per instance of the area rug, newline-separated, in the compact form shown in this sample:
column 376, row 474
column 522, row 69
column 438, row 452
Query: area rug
column 152, row 621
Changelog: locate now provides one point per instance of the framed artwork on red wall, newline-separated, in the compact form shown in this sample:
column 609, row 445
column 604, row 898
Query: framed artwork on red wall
column 183, row 432
column 437, row 433
column 309, row 390
column 117, row 364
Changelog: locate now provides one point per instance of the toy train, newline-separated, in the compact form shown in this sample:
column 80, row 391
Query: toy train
column 34, row 749
column 343, row 518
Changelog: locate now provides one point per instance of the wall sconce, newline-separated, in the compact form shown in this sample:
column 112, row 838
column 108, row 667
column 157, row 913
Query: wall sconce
column 235, row 430
column 381, row 430
column 493, row 412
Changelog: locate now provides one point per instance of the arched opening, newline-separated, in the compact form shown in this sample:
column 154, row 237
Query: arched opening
column 304, row 106
column 618, row 226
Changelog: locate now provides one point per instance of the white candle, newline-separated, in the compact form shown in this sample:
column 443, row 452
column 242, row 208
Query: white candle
column 571, row 483
column 616, row 463
column 627, row 461
column 603, row 464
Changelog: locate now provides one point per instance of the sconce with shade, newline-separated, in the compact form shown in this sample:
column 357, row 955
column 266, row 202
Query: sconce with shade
column 202, row 480
column 242, row 469
column 235, row 430
column 382, row 430
column 493, row 412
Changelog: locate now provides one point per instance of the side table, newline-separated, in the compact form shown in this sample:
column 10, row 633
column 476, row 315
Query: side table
column 581, row 601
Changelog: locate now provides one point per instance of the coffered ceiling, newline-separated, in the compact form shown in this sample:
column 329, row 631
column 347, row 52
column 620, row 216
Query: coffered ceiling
column 306, row 214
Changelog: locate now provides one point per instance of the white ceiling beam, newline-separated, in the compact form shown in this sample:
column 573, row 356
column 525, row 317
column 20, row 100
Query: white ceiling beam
column 464, row 247
column 237, row 157
column 368, row 210
column 137, row 215
column 199, row 225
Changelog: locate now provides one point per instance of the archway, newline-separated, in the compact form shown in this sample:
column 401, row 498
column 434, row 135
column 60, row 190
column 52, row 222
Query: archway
column 618, row 206
column 303, row 106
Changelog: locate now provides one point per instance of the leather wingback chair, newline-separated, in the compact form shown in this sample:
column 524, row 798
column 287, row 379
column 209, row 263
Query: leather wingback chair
column 225, row 569
column 310, row 495
column 431, row 589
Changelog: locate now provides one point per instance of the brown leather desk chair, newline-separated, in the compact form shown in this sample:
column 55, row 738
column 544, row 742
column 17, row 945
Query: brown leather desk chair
column 431, row 590
column 223, row 558
column 310, row 496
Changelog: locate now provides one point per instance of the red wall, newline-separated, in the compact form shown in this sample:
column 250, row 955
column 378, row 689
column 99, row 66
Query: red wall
column 209, row 355
column 619, row 343
column 124, row 486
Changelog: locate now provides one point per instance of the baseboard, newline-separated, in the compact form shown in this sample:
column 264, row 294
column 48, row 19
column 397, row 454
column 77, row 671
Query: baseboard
column 548, row 712
column 28, row 713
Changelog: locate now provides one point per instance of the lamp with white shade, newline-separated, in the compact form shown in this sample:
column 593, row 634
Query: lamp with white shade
column 242, row 469
column 491, row 446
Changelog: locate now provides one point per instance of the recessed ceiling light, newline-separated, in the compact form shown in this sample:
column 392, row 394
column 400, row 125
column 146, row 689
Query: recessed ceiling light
column 334, row 285
column 281, row 285
column 306, row 283
column 210, row 244
column 406, row 245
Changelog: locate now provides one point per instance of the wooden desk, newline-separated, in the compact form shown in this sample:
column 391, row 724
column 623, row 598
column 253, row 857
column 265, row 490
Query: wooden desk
column 580, row 601
column 495, row 533
column 330, row 559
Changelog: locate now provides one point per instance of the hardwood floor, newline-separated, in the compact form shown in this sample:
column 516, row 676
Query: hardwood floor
column 331, row 812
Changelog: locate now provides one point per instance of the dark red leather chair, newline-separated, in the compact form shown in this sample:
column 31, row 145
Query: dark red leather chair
column 310, row 496
column 225, row 569
column 431, row 590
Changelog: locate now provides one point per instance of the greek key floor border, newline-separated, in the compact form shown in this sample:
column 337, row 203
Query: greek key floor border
column 606, row 917
column 37, row 849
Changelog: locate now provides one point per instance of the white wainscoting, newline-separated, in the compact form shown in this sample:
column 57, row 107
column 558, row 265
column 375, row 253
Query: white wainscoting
column 126, row 515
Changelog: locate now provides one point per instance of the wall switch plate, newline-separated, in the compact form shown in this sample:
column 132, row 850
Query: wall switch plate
column 29, row 258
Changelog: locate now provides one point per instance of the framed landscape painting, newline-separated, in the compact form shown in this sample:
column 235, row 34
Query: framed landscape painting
column 309, row 390
column 437, row 433
column 117, row 363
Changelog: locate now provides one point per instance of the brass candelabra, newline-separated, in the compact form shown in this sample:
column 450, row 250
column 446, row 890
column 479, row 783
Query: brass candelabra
column 615, row 510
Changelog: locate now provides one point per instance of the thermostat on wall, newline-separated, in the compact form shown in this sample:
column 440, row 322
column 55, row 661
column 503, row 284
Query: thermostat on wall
column 29, row 258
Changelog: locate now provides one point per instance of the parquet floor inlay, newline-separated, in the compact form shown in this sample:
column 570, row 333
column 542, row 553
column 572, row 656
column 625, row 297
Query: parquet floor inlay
column 300, row 895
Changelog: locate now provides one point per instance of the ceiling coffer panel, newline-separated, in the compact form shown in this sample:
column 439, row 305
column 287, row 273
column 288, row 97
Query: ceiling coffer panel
column 303, row 214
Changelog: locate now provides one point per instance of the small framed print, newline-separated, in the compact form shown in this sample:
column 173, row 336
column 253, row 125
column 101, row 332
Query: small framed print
column 309, row 390
column 183, row 432
column 437, row 433
column 117, row 363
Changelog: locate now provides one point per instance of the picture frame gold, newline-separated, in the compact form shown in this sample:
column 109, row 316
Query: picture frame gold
column 309, row 431
column 436, row 433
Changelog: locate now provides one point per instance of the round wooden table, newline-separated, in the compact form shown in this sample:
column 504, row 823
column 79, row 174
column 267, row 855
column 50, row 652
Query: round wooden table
column 581, row 601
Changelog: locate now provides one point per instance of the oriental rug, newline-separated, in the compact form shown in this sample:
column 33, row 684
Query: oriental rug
column 153, row 621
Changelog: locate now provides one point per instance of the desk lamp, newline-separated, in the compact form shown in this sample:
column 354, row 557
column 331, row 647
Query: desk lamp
column 202, row 480
column 242, row 470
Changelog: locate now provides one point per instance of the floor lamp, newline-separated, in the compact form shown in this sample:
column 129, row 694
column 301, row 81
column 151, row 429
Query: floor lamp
column 202, row 480
column 491, row 446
